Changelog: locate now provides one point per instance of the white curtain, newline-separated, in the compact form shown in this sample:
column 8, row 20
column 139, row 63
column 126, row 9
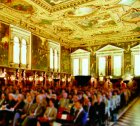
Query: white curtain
column 137, row 65
column 55, row 59
column 23, row 51
column 117, row 65
column 76, row 67
column 102, row 66
column 16, row 50
column 85, row 66
column 51, row 58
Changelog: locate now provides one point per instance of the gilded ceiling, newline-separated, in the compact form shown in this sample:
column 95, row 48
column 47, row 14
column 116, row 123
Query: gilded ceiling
column 76, row 23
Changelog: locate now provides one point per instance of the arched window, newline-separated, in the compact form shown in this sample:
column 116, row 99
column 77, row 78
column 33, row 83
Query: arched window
column 19, row 48
column 16, row 50
column 51, row 58
column 54, row 48
column 55, row 59
column 23, row 51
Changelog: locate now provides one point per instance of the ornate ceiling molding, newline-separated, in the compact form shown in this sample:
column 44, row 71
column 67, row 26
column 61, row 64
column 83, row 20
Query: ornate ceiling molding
column 61, row 6
column 100, row 22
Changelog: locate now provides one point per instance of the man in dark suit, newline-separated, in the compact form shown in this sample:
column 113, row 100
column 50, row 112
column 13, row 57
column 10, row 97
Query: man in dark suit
column 80, row 117
column 35, row 111
column 3, row 100
column 7, row 111
column 97, row 112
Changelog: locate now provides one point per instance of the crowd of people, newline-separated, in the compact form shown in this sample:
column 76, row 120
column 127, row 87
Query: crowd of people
column 91, row 105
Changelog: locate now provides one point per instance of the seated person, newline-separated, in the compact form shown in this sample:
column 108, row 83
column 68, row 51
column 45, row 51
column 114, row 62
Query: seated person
column 3, row 100
column 36, row 110
column 80, row 117
column 49, row 115
column 8, row 110
column 18, row 108
column 27, row 107
column 64, row 101
column 72, row 109
column 97, row 112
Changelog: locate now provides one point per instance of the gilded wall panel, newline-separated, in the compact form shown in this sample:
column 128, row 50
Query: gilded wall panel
column 65, row 60
column 4, row 44
column 39, row 53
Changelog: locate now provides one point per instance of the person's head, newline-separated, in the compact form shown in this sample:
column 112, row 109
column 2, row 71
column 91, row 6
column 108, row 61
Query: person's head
column 75, row 98
column 3, row 96
column 115, row 92
column 29, row 98
column 39, row 99
column 11, row 96
column 99, row 98
column 51, row 102
column 65, row 95
column 50, row 91
column 94, row 99
column 78, row 104
column 20, row 97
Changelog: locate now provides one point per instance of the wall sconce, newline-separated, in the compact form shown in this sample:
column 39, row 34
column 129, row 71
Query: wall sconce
column 41, row 78
column 127, row 77
column 63, row 79
column 110, row 77
column 12, row 77
column 101, row 78
column 2, row 74
column 92, row 79
column 30, row 78
column 36, row 79
column 50, row 79
column 69, row 79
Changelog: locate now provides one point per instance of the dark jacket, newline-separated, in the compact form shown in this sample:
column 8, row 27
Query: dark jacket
column 97, row 112
column 81, row 119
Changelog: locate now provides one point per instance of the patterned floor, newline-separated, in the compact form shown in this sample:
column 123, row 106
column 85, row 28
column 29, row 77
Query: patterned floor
column 131, row 117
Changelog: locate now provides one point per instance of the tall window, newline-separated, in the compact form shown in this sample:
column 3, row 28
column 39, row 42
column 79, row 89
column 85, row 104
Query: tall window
column 110, row 61
column 51, row 58
column 16, row 50
column 23, row 51
column 117, row 65
column 55, row 50
column 136, row 65
column 80, row 62
column 102, row 66
column 85, row 66
column 76, row 67
column 55, row 59
column 19, row 48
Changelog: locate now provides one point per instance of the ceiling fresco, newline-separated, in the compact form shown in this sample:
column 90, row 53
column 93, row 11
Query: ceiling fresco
column 19, row 5
column 76, row 23
column 55, row 2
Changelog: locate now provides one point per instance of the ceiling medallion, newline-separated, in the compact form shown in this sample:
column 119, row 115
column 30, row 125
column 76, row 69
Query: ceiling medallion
column 82, row 11
column 127, row 2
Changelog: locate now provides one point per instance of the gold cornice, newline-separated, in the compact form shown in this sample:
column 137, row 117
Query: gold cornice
column 30, row 27
column 61, row 6
column 106, row 25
